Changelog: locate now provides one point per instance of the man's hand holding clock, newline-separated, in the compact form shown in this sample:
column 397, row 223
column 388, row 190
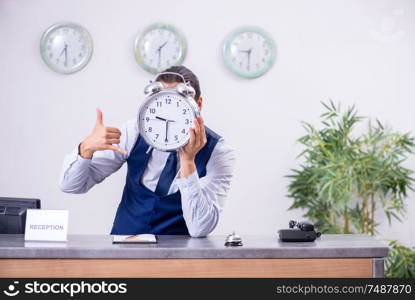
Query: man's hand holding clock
column 188, row 152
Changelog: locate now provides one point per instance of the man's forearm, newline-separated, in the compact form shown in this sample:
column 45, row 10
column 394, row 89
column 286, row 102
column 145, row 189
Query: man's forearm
column 199, row 212
column 187, row 167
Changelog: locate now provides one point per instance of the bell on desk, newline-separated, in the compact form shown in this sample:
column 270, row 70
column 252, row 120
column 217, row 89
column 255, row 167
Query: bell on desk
column 233, row 240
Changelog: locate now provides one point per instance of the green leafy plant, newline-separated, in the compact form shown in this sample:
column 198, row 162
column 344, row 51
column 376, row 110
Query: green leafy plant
column 401, row 261
column 346, row 177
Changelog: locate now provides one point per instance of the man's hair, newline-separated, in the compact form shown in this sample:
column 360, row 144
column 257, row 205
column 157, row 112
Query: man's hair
column 188, row 75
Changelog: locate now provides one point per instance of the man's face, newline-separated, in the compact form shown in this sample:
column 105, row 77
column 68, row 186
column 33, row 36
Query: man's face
column 172, row 85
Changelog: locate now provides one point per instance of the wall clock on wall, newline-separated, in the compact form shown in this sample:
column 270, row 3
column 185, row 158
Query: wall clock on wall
column 160, row 46
column 66, row 47
column 249, row 51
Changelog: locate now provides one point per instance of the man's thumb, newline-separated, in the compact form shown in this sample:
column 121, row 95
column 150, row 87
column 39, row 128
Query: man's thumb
column 100, row 120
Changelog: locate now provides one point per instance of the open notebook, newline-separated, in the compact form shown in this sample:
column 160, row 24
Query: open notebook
column 134, row 239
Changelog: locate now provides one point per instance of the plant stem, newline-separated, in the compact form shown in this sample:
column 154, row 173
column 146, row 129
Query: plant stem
column 372, row 217
column 346, row 222
column 364, row 223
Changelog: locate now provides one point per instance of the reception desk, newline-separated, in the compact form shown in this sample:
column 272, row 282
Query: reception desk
column 182, row 256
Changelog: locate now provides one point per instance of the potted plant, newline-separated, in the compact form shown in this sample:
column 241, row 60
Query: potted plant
column 345, row 177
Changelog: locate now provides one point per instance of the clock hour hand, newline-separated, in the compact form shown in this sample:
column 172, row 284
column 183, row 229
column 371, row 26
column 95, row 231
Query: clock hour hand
column 165, row 120
column 161, row 47
column 65, row 50
column 157, row 117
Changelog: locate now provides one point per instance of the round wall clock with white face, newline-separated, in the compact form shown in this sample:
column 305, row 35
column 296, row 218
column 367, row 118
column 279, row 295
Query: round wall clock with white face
column 66, row 47
column 159, row 47
column 249, row 52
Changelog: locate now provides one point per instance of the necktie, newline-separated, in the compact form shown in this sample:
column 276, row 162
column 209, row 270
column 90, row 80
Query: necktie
column 167, row 175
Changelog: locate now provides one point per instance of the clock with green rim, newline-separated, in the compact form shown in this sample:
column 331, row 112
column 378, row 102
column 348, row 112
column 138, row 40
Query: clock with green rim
column 160, row 46
column 249, row 51
column 66, row 47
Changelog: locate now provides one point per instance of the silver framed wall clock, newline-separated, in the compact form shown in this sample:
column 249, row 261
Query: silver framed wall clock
column 249, row 51
column 160, row 46
column 66, row 47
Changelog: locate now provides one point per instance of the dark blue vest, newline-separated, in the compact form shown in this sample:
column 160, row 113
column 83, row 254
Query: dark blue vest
column 142, row 210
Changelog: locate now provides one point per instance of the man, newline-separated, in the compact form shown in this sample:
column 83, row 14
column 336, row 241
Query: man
column 165, row 193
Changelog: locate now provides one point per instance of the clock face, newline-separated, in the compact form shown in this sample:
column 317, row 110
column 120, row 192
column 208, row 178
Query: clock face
column 66, row 47
column 249, row 52
column 165, row 119
column 160, row 46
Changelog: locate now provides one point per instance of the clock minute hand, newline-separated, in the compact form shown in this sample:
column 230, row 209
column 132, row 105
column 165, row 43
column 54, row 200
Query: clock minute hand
column 167, row 129
column 249, row 58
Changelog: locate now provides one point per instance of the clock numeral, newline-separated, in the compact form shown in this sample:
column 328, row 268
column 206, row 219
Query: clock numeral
column 183, row 131
column 157, row 136
column 184, row 111
column 187, row 121
column 147, row 119
column 152, row 110
column 176, row 137
column 168, row 101
column 150, row 129
column 158, row 103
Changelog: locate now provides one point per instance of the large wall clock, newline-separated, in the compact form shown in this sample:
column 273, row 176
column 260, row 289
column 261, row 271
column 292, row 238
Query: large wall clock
column 249, row 52
column 160, row 46
column 66, row 47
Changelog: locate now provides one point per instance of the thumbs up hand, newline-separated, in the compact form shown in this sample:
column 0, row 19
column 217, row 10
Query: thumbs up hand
column 101, row 138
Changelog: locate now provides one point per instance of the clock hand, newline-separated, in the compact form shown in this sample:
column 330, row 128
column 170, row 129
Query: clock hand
column 66, row 53
column 159, row 52
column 167, row 128
column 157, row 117
column 164, row 44
column 159, row 58
column 166, row 120
column 249, row 59
column 63, row 50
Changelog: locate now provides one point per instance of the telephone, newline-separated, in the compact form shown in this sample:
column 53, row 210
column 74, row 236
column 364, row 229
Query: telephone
column 299, row 232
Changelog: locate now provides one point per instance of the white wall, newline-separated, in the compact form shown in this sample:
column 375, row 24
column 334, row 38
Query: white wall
column 357, row 51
